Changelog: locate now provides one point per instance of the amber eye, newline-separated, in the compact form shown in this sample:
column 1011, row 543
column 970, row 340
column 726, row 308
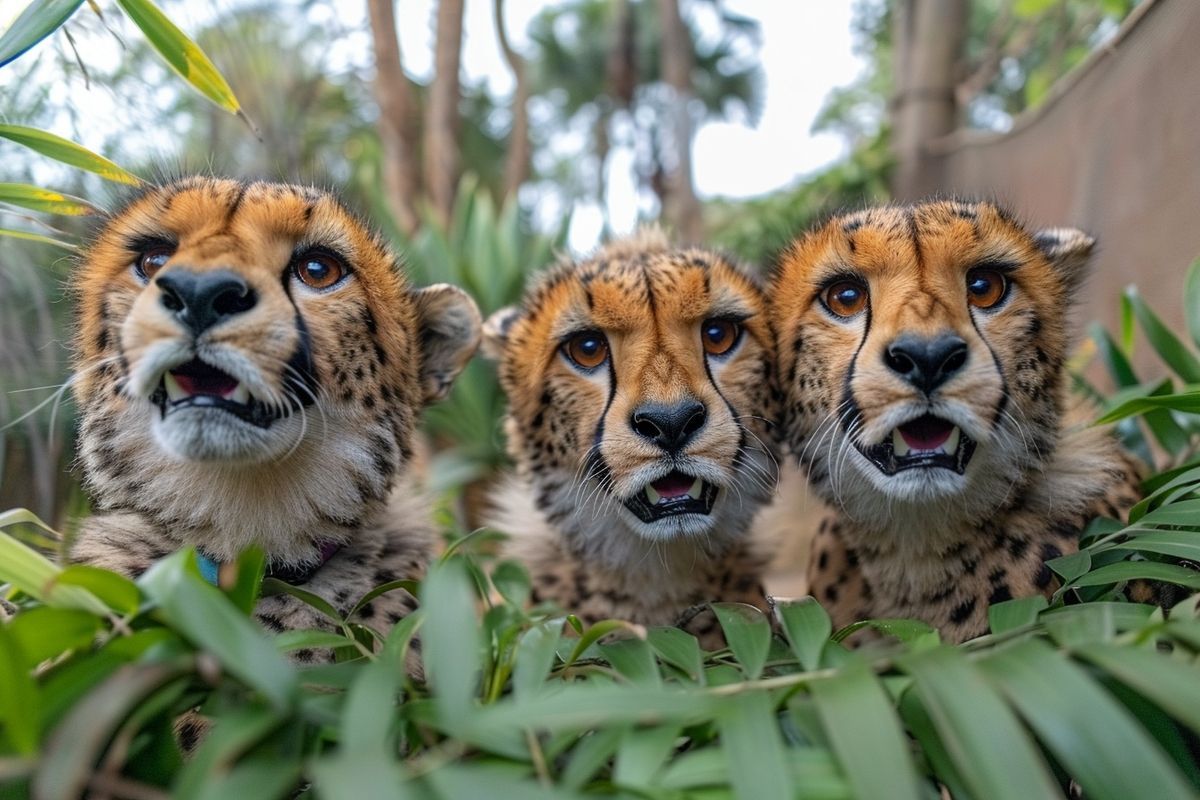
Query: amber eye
column 151, row 260
column 986, row 287
column 318, row 270
column 846, row 298
column 587, row 350
column 719, row 336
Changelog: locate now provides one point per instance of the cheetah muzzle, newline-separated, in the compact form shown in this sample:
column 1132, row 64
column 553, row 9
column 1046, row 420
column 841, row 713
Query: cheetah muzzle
column 927, row 442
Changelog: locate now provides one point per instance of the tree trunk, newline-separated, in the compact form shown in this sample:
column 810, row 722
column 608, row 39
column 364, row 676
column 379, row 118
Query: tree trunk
column 399, row 123
column 516, row 166
column 928, row 37
column 442, row 121
column 681, row 208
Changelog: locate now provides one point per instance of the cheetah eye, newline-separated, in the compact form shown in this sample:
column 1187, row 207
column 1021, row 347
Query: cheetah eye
column 152, row 259
column 986, row 288
column 719, row 336
column 586, row 350
column 318, row 270
column 846, row 298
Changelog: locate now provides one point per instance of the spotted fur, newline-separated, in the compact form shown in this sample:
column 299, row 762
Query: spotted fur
column 927, row 542
column 344, row 371
column 580, row 457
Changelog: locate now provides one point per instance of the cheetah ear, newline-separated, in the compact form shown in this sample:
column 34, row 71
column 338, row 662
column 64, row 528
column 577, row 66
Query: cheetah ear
column 1068, row 250
column 449, row 328
column 496, row 330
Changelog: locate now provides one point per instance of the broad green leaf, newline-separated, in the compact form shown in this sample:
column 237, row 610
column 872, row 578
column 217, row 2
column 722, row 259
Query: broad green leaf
column 1095, row 738
column 450, row 643
column 642, row 753
column 240, row 730
column 1114, row 359
column 34, row 574
column 1071, row 566
column 751, row 741
column 248, row 575
column 405, row 585
column 1168, row 346
column 491, row 781
column 808, row 629
column 1134, row 570
column 748, row 634
column 274, row 586
column 37, row 237
column 39, row 19
column 987, row 744
column 206, row 616
column 1013, row 614
column 76, row 743
column 1173, row 685
column 592, row 753
column 1032, row 8
column 512, row 582
column 20, row 700
column 42, row 632
column 1191, row 301
column 679, row 649
column 634, row 659
column 859, row 719
column 911, row 631
column 182, row 54
column 361, row 775
column 598, row 631
column 369, row 712
column 116, row 591
column 260, row 776
column 535, row 657
column 36, row 198
column 299, row 639
column 1180, row 544
column 66, row 151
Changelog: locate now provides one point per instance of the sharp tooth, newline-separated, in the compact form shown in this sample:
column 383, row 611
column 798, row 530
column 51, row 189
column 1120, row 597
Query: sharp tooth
column 175, row 392
column 652, row 495
column 951, row 445
column 900, row 447
column 241, row 394
column 696, row 489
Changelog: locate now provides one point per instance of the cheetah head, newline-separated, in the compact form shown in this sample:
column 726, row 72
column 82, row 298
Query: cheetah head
column 921, row 352
column 253, row 333
column 634, row 381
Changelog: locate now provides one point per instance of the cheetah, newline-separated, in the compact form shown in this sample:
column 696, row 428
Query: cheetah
column 634, row 381
column 250, row 367
column 921, row 359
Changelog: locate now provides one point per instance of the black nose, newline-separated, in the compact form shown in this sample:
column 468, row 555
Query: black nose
column 926, row 363
column 669, row 426
column 200, row 300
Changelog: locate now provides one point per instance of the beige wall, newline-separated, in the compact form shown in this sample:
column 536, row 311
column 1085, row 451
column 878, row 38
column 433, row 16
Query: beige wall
column 1115, row 151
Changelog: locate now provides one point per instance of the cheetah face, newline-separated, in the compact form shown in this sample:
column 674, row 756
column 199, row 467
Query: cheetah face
column 635, row 382
column 927, row 348
column 234, row 325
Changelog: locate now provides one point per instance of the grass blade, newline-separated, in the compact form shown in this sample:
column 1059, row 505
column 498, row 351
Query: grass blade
column 67, row 152
column 859, row 719
column 39, row 19
column 748, row 634
column 990, row 749
column 36, row 198
column 751, row 741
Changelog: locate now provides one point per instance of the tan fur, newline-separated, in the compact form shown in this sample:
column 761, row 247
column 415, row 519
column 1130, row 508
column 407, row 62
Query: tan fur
column 346, row 370
column 580, row 458
column 928, row 542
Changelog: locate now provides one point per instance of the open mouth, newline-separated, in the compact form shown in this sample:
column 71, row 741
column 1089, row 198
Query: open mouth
column 200, row 385
column 670, row 496
column 926, row 441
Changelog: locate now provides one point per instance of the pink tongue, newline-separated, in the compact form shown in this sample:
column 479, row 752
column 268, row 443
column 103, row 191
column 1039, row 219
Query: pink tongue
column 673, row 485
column 926, row 434
column 214, row 383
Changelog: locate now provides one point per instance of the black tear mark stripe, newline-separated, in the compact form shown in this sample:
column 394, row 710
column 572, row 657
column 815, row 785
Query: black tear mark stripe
column 1003, row 404
column 852, row 411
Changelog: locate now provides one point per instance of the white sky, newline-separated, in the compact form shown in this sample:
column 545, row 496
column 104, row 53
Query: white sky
column 805, row 51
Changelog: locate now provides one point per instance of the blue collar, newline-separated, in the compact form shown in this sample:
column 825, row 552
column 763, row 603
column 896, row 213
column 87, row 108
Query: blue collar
column 210, row 569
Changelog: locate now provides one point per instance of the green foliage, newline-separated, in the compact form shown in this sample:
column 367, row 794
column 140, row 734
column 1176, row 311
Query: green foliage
column 518, row 704
column 489, row 252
